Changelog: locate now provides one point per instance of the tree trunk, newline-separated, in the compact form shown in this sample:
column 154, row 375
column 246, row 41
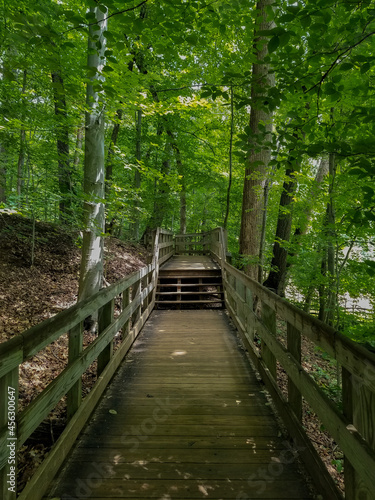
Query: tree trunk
column 79, row 139
column 331, row 233
column 183, row 206
column 109, row 167
column 327, row 290
column 230, row 158
column 91, row 272
column 181, row 173
column 111, row 153
column 259, row 155
column 162, row 194
column 3, row 175
column 65, row 174
column 276, row 280
column 320, row 174
column 22, row 153
column 137, row 174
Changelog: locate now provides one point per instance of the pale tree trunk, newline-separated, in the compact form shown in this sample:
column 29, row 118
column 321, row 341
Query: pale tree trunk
column 79, row 139
column 327, row 291
column 65, row 174
column 331, row 233
column 225, row 225
column 311, row 197
column 22, row 153
column 183, row 206
column 137, row 173
column 259, row 155
column 91, row 271
column 109, row 167
column 181, row 173
column 162, row 195
column 3, row 175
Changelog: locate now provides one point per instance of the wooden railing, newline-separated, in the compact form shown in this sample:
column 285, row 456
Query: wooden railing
column 353, row 427
column 137, row 295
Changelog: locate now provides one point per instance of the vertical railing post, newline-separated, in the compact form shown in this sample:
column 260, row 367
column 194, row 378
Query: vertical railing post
column 105, row 319
column 8, row 413
column 359, row 408
column 294, row 347
column 269, row 320
column 125, row 302
column 136, row 292
column 74, row 396
column 347, row 403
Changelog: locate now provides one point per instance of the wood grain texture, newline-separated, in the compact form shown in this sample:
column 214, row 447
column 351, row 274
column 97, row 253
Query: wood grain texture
column 185, row 417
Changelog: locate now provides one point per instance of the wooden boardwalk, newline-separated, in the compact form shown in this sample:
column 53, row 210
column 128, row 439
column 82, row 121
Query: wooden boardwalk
column 190, row 263
column 185, row 417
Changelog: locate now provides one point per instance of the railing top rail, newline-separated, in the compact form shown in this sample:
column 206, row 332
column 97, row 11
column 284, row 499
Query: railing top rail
column 351, row 355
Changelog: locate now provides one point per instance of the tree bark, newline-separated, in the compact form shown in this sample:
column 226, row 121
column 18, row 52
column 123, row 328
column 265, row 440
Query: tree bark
column 91, row 272
column 162, row 193
column 3, row 175
column 111, row 153
column 327, row 290
column 65, row 174
column 109, row 167
column 22, row 153
column 137, row 174
column 276, row 280
column 79, row 138
column 230, row 158
column 259, row 153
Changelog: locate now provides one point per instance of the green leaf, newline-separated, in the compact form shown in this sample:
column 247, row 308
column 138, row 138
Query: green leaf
column 273, row 44
column 305, row 21
column 345, row 66
column 103, row 8
column 365, row 67
column 113, row 412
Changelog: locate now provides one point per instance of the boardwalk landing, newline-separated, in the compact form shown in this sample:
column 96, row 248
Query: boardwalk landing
column 184, row 418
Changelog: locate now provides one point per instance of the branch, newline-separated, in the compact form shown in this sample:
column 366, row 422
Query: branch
column 337, row 58
column 199, row 139
column 105, row 18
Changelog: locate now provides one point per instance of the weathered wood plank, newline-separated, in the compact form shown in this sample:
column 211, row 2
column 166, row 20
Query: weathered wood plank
column 294, row 347
column 38, row 485
column 39, row 408
column 354, row 357
column 105, row 318
column 157, row 433
column 74, row 395
column 357, row 450
column 309, row 455
column 193, row 489
column 37, row 337
column 8, row 439
column 11, row 355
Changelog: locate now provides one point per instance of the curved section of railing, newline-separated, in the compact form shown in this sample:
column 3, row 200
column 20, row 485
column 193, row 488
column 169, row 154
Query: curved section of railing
column 137, row 295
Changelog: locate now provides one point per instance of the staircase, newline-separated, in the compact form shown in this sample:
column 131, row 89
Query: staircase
column 197, row 286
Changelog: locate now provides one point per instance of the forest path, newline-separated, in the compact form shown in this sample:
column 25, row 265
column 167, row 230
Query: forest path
column 185, row 417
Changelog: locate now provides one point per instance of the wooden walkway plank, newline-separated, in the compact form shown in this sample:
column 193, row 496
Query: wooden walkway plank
column 185, row 417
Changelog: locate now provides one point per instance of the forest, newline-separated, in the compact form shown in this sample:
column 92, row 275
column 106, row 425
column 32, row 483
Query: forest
column 119, row 117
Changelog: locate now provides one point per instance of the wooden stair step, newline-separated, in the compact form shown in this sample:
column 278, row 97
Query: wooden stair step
column 191, row 276
column 187, row 284
column 189, row 301
column 189, row 293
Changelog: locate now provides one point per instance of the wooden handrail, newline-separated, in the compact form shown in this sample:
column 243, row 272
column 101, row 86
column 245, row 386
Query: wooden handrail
column 138, row 298
column 353, row 426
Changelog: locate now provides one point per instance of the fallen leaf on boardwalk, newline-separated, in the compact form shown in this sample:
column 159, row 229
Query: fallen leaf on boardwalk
column 114, row 412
